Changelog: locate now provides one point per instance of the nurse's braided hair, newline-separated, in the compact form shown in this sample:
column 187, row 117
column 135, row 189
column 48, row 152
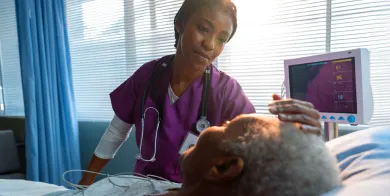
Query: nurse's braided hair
column 191, row 6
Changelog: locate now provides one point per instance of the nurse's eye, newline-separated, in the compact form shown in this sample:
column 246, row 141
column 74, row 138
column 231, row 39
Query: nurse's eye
column 222, row 40
column 203, row 28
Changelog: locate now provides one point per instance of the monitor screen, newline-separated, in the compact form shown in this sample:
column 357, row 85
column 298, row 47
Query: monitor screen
column 328, row 85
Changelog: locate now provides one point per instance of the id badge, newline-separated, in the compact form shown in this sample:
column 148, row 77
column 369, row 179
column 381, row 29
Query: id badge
column 188, row 142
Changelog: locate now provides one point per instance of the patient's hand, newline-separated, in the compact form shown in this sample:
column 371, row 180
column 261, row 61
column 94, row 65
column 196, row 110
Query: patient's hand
column 293, row 110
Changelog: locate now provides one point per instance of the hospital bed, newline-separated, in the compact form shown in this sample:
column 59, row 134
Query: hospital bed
column 363, row 158
column 364, row 161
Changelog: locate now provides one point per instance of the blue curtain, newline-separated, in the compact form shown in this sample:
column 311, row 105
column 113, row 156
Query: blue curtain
column 52, row 137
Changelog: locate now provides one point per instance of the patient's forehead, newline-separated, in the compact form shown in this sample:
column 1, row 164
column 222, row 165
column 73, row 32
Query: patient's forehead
column 246, row 126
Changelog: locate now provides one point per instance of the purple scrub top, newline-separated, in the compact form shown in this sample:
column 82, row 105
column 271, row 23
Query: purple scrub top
column 226, row 100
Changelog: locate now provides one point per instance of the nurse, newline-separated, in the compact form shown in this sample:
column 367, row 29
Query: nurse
column 166, row 97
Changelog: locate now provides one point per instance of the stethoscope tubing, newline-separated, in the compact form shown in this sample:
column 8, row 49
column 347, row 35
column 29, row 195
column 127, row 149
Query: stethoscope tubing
column 202, row 118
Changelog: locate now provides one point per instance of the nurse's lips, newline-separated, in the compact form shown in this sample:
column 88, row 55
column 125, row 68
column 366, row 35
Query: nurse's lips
column 202, row 54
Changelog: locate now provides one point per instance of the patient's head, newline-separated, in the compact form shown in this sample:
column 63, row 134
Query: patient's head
column 258, row 155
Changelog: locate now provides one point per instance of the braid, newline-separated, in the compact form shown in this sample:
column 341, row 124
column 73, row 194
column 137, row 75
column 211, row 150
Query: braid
column 191, row 6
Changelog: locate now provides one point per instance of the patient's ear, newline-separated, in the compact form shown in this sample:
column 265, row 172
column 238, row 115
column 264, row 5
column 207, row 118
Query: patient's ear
column 224, row 169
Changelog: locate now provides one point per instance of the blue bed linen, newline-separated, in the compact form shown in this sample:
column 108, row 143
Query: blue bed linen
column 364, row 161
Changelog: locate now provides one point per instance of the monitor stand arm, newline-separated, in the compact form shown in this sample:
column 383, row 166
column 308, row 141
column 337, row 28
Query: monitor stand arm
column 331, row 130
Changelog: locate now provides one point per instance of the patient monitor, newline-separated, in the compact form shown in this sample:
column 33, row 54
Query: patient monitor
column 336, row 83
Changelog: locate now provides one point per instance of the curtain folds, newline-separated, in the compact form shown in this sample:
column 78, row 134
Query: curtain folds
column 52, row 138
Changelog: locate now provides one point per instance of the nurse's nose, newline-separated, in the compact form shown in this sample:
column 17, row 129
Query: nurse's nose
column 209, row 43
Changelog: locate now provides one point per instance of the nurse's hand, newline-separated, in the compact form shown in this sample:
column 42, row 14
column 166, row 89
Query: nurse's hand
column 293, row 110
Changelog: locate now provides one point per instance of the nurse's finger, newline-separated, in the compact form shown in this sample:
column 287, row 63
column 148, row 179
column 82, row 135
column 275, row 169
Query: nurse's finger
column 276, row 97
column 291, row 102
column 311, row 129
column 295, row 109
column 300, row 118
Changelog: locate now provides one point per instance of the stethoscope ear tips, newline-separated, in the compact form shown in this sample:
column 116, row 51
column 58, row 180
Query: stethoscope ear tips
column 140, row 158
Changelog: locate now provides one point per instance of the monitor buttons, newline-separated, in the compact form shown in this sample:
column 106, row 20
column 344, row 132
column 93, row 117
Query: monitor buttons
column 324, row 118
column 332, row 118
column 341, row 118
column 351, row 119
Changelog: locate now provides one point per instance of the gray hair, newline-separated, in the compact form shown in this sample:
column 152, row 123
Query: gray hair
column 280, row 160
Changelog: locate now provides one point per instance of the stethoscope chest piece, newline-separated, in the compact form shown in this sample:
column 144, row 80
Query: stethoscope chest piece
column 202, row 124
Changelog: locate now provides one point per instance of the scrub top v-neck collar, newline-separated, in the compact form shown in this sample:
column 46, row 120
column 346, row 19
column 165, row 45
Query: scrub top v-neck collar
column 172, row 96
column 197, row 83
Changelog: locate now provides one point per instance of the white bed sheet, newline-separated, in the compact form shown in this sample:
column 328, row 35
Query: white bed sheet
column 126, row 185
column 27, row 188
column 137, row 187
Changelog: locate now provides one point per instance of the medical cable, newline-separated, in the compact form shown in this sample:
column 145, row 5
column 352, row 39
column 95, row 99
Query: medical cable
column 107, row 175
column 148, row 178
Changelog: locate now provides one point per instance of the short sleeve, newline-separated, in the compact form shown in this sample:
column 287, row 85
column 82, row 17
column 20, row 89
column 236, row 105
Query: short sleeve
column 124, row 97
column 235, row 101
column 123, row 100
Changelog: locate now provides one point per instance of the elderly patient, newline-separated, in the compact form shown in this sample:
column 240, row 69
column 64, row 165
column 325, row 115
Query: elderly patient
column 258, row 155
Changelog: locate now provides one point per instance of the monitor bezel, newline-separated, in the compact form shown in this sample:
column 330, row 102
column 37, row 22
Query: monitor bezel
column 357, row 55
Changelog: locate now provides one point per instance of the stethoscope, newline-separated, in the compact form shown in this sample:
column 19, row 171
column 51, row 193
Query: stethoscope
column 200, row 125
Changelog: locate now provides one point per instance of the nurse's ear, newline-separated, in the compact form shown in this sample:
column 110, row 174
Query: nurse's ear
column 225, row 169
column 179, row 25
